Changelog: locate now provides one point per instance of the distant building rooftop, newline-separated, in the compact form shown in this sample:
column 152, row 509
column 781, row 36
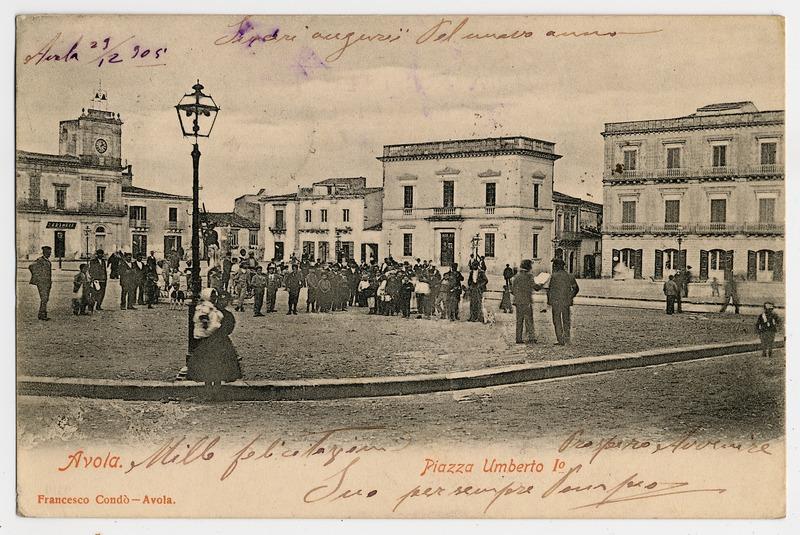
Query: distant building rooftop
column 231, row 219
column 470, row 147
column 720, row 115
column 141, row 192
column 569, row 199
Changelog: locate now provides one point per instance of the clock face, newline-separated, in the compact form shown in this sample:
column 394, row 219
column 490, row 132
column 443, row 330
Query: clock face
column 100, row 145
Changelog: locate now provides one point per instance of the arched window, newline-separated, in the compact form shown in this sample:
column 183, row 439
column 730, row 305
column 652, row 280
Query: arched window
column 99, row 237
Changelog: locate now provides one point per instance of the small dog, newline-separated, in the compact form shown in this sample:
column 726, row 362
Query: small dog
column 176, row 297
column 488, row 318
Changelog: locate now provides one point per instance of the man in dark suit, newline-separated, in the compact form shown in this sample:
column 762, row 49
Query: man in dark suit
column 563, row 289
column 128, row 281
column 42, row 277
column 139, row 269
column 98, row 271
column 293, row 281
column 508, row 274
column 522, row 288
column 227, row 264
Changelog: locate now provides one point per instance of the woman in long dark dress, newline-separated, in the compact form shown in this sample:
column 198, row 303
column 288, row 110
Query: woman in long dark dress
column 476, row 285
column 214, row 358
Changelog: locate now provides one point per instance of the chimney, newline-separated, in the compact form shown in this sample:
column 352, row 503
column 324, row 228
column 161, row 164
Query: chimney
column 127, row 176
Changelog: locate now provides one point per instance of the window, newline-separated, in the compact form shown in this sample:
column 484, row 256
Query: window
column 672, row 211
column 408, row 196
column 101, row 194
column 323, row 215
column 138, row 213
column 233, row 239
column 408, row 249
column 720, row 156
column 718, row 210
column 766, row 260
column 35, row 187
column 308, row 216
column 769, row 153
column 491, row 193
column 308, row 250
column 448, row 194
column 279, row 221
column 673, row 158
column 173, row 214
column 536, row 246
column 488, row 245
column 629, row 211
column 716, row 260
column 629, row 159
column 560, row 221
column 536, row 195
column 766, row 210
column 346, row 215
column 252, row 238
column 61, row 198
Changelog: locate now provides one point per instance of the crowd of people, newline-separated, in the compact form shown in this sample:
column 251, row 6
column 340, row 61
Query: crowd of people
column 388, row 288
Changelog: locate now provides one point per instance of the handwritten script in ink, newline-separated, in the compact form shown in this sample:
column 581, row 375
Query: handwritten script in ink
column 100, row 52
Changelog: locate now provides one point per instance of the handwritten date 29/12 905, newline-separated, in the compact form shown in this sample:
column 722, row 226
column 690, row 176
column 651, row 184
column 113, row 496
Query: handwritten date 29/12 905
column 100, row 52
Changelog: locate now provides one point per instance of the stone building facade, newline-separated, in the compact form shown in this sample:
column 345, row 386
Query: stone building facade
column 704, row 190
column 577, row 234
column 334, row 219
column 445, row 199
column 83, row 199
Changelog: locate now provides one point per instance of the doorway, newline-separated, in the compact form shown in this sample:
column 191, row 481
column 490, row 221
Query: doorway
column 447, row 249
column 59, row 243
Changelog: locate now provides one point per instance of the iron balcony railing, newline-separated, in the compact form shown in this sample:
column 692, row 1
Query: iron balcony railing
column 102, row 208
column 697, row 172
column 139, row 223
column 489, row 210
column 676, row 229
column 175, row 225
column 570, row 235
column 408, row 212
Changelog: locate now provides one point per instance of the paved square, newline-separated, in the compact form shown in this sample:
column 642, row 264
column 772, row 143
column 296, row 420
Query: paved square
column 151, row 344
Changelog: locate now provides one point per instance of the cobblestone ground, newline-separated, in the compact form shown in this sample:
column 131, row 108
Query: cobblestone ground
column 150, row 344
column 725, row 398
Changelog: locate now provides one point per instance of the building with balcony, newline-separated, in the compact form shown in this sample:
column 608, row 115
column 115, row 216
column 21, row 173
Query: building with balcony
column 444, row 199
column 705, row 190
column 334, row 219
column 235, row 233
column 83, row 198
column 577, row 235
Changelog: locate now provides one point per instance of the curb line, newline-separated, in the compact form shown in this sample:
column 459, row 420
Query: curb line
column 327, row 389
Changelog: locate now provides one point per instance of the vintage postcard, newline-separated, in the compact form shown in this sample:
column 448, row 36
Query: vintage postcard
column 400, row 266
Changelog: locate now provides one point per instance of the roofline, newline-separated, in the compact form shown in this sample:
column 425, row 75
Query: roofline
column 696, row 115
column 469, row 139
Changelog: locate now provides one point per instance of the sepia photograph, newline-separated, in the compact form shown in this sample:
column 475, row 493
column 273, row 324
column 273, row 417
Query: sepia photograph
column 409, row 266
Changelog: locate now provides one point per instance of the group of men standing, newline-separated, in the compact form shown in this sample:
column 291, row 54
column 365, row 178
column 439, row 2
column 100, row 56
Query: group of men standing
column 561, row 292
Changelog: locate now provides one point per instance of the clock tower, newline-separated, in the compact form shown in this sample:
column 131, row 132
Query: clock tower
column 95, row 137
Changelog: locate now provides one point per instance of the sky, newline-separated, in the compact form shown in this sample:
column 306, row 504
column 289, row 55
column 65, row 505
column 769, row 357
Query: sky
column 297, row 111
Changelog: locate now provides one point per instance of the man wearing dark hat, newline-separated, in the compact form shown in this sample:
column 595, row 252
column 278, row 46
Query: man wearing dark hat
column 562, row 290
column 98, row 271
column 522, row 288
column 293, row 281
column 42, row 277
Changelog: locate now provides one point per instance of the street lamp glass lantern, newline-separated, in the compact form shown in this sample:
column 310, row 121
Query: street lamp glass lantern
column 197, row 113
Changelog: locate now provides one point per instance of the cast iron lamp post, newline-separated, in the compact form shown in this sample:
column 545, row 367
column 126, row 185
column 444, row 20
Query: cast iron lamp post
column 197, row 113
column 87, row 232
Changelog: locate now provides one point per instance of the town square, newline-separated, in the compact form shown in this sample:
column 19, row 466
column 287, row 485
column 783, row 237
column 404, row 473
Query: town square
column 383, row 250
